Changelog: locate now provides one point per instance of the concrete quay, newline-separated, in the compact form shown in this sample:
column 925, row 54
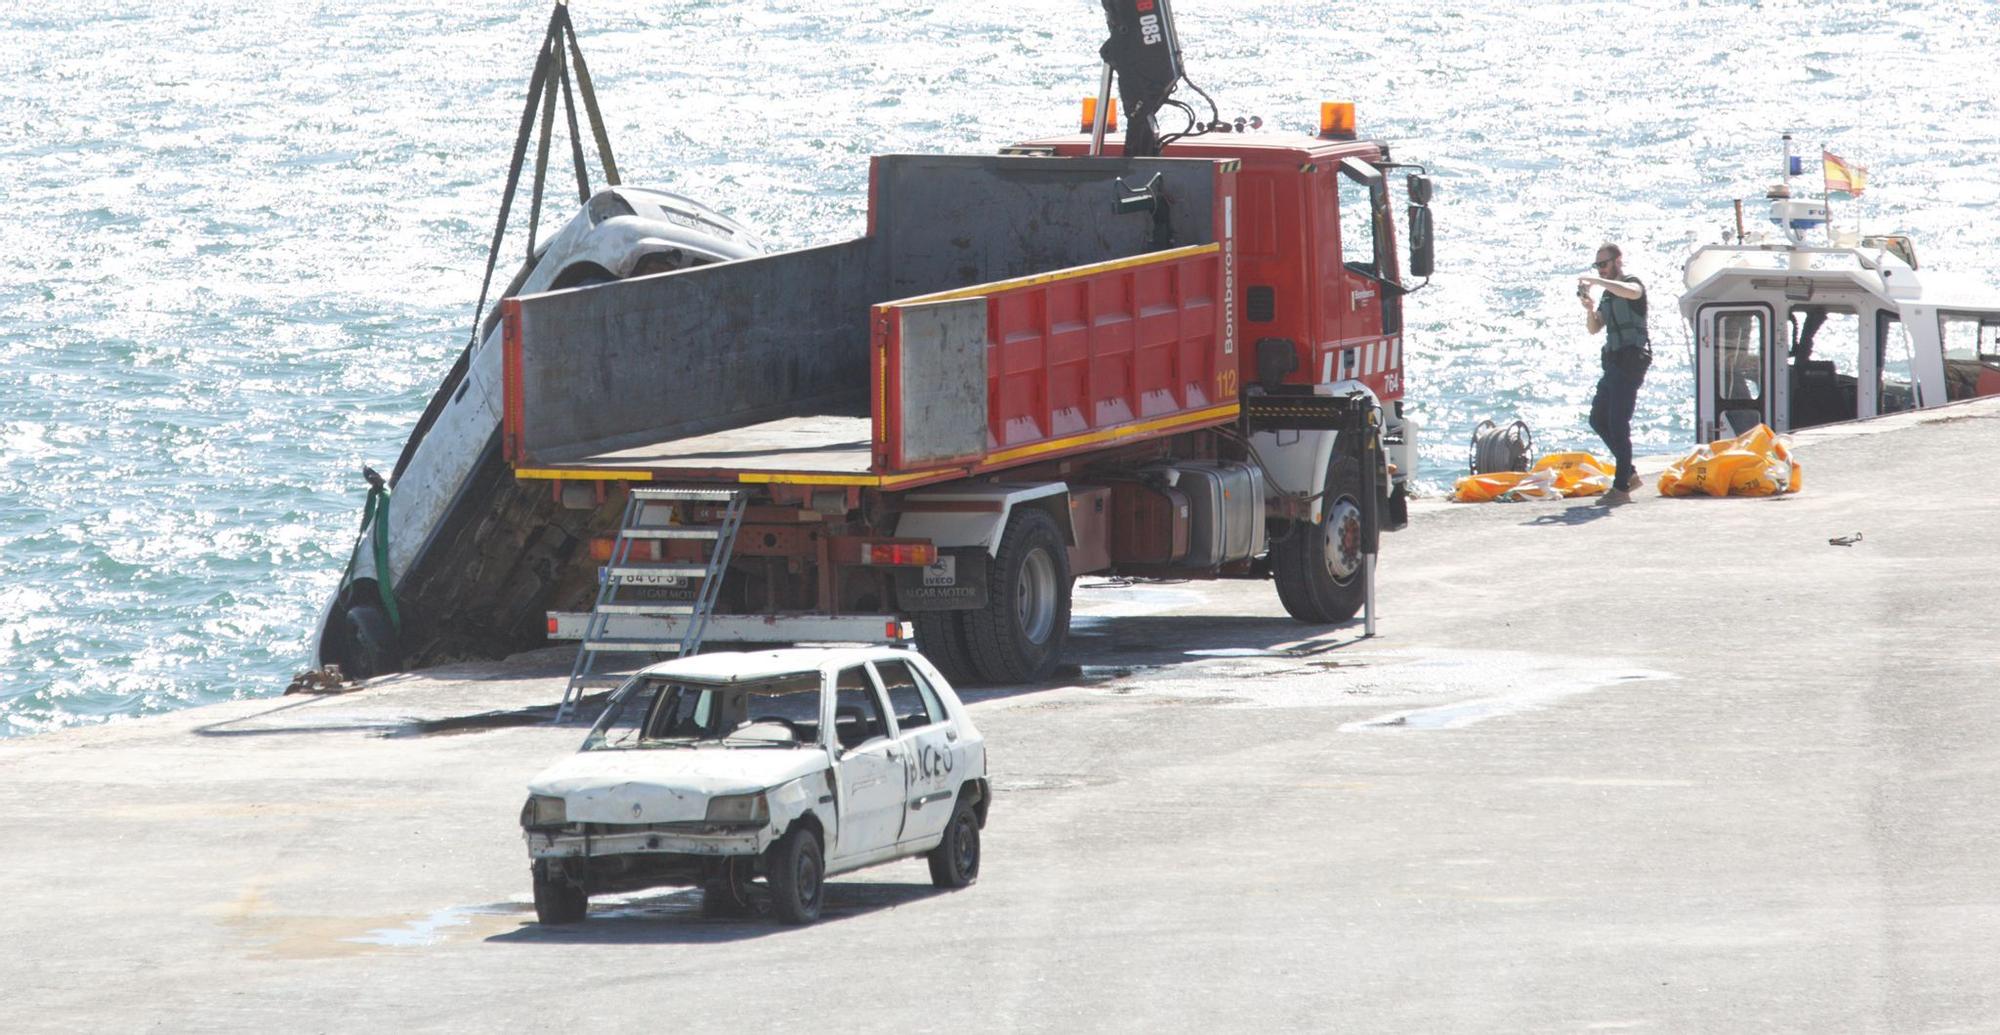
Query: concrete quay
column 1677, row 765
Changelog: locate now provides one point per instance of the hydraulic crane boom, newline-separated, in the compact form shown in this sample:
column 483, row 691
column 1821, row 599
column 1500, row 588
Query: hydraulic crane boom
column 1146, row 55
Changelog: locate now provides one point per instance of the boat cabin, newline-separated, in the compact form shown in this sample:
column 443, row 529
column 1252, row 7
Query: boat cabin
column 1792, row 335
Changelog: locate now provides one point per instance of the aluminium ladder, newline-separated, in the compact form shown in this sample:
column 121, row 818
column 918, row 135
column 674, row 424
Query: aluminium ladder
column 643, row 509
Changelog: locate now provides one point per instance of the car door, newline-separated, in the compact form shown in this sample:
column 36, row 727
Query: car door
column 930, row 761
column 868, row 768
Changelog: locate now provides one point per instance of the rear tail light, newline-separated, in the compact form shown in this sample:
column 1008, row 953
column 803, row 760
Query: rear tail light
column 900, row 553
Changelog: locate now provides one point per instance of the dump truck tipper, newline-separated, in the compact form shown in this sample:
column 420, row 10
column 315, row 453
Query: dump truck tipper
column 1032, row 366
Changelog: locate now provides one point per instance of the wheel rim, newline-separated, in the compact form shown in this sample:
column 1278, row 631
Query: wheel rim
column 1035, row 597
column 808, row 881
column 968, row 845
column 1342, row 529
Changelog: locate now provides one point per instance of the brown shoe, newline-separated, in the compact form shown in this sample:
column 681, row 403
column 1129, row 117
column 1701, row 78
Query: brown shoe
column 1632, row 481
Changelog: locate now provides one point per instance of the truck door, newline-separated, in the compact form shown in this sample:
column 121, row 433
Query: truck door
column 869, row 769
column 1367, row 255
column 1736, row 387
column 1360, row 297
column 928, row 743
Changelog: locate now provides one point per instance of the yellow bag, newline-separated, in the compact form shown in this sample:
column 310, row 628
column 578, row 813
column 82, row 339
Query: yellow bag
column 1556, row 476
column 1755, row 463
column 1578, row 474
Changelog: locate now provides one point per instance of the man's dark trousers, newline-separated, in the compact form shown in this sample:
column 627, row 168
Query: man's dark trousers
column 1617, row 395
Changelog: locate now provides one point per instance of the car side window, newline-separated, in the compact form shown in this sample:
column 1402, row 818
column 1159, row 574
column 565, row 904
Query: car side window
column 857, row 712
column 910, row 695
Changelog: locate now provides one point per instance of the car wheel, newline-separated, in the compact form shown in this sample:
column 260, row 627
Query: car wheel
column 797, row 874
column 372, row 641
column 1318, row 567
column 727, row 894
column 955, row 861
column 1018, row 636
column 557, row 900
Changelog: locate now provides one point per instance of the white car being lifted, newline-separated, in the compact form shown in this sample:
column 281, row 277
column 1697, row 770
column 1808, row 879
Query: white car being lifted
column 784, row 766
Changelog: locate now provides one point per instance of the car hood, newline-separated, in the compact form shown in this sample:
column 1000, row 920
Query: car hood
column 666, row 785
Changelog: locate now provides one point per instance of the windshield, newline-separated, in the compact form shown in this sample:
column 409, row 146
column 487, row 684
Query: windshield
column 780, row 711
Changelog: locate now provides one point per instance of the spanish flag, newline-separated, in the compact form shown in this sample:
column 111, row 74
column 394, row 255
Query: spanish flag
column 1843, row 177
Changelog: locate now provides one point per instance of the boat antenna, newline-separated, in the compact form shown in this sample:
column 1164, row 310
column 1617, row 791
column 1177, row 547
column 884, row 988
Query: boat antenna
column 553, row 61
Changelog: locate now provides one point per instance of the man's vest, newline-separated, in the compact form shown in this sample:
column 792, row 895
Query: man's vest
column 1624, row 320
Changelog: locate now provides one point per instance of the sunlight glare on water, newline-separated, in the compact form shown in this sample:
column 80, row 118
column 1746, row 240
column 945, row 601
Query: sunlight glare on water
column 242, row 241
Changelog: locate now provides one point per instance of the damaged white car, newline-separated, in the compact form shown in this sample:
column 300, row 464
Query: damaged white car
column 761, row 774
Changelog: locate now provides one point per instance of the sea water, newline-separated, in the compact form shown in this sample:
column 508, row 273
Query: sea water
column 242, row 241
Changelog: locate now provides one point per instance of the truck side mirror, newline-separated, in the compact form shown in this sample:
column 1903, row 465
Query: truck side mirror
column 1420, row 189
column 1420, row 240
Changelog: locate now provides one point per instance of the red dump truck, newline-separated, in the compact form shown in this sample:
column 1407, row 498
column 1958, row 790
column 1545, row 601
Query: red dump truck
column 1033, row 366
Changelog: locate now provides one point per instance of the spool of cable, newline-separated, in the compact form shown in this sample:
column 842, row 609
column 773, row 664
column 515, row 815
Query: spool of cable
column 1501, row 447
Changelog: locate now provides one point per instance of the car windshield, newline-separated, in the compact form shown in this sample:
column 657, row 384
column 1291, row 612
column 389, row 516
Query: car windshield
column 662, row 712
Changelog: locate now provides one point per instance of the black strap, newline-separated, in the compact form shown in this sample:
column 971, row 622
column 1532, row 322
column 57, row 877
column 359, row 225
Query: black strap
column 560, row 30
column 541, row 156
column 575, row 138
column 590, row 108
column 549, row 62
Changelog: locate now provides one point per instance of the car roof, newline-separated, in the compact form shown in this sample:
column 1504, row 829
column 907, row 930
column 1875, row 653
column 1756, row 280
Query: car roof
column 730, row 666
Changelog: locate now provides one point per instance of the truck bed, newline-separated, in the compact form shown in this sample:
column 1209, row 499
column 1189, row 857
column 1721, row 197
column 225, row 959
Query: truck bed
column 1001, row 311
column 790, row 449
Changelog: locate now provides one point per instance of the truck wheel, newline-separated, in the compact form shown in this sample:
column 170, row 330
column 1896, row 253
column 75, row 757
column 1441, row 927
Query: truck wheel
column 1318, row 568
column 941, row 638
column 1019, row 635
column 557, row 901
column 371, row 642
column 727, row 894
column 955, row 861
column 797, row 871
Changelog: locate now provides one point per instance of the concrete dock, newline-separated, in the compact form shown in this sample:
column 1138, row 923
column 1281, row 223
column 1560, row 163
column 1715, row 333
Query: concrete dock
column 1678, row 765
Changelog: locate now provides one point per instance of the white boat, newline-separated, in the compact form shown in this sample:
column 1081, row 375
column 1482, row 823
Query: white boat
column 472, row 557
column 1792, row 334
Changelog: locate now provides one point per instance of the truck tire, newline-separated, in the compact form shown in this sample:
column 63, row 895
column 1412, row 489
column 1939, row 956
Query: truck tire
column 955, row 861
column 557, row 901
column 1318, row 568
column 371, row 643
column 1019, row 635
column 797, row 874
column 941, row 638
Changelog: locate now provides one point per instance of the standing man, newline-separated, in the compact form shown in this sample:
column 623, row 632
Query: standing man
column 1621, row 314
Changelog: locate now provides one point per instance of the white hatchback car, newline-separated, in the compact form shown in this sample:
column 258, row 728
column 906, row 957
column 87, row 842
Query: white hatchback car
column 785, row 766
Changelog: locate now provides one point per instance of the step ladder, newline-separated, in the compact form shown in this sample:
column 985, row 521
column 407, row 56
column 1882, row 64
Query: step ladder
column 655, row 515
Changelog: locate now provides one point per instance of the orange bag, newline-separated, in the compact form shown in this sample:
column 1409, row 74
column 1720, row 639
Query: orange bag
column 1556, row 476
column 1756, row 463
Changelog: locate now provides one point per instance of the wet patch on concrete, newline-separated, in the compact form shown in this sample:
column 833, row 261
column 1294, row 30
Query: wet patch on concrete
column 1513, row 683
column 439, row 926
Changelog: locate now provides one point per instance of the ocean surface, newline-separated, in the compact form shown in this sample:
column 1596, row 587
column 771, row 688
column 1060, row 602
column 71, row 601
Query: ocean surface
column 242, row 242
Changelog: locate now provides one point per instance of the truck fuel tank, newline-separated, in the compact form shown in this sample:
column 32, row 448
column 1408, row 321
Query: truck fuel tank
column 1225, row 509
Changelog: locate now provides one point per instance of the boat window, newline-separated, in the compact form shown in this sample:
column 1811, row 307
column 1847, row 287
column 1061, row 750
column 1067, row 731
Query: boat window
column 1895, row 356
column 1826, row 365
column 1971, row 354
column 1739, row 358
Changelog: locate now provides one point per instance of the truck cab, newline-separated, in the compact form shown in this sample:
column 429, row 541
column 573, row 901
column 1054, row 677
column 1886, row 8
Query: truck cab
column 1320, row 280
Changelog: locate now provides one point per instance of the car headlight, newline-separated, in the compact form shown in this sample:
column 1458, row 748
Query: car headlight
column 738, row 808
column 543, row 810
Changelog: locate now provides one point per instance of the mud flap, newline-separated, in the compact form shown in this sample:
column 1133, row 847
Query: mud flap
column 957, row 582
